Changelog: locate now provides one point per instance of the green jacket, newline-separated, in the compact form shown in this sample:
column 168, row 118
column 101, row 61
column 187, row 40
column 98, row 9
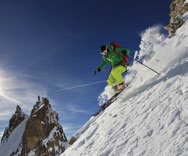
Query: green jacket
column 113, row 58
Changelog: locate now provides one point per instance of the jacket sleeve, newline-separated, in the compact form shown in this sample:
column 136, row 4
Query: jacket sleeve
column 104, row 62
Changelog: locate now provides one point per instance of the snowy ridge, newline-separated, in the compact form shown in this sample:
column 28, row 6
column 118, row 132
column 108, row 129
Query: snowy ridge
column 151, row 116
column 14, row 139
column 37, row 134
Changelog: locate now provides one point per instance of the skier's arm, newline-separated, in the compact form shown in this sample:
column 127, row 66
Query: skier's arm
column 103, row 64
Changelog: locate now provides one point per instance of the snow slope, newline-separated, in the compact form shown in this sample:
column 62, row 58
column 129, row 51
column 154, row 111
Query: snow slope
column 14, row 140
column 150, row 118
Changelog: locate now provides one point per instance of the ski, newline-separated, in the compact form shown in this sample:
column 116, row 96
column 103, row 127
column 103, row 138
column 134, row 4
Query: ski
column 109, row 102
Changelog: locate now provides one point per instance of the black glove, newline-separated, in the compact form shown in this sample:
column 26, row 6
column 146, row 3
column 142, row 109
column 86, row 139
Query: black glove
column 97, row 70
column 124, row 52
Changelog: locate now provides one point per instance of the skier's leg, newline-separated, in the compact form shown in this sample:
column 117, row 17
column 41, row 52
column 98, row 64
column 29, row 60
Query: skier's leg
column 111, row 80
column 117, row 73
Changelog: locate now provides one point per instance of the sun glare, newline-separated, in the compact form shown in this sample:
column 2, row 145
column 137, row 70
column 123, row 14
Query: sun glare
column 1, row 84
column 4, row 85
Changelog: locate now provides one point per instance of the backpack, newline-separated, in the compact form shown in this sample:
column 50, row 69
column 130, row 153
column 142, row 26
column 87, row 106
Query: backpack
column 125, row 57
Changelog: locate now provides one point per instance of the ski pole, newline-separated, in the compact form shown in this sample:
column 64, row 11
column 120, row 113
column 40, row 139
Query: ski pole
column 148, row 67
column 145, row 65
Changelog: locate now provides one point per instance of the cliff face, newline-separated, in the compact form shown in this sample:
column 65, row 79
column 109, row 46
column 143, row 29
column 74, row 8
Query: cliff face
column 15, row 120
column 43, row 134
column 177, row 9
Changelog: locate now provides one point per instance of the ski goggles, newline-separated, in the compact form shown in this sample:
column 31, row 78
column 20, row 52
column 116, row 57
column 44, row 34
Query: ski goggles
column 104, row 52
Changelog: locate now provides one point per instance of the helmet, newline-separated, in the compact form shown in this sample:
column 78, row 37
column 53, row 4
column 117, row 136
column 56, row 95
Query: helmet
column 103, row 48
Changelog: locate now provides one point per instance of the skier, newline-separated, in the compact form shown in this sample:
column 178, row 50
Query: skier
column 116, row 56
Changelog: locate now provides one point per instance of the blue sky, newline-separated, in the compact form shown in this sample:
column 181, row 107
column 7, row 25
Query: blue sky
column 47, row 46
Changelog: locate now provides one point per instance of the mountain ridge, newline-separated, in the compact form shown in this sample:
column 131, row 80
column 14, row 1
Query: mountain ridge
column 38, row 134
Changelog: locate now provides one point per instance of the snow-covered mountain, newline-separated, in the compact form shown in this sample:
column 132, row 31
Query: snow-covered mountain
column 150, row 118
column 15, row 120
column 13, row 133
column 39, row 134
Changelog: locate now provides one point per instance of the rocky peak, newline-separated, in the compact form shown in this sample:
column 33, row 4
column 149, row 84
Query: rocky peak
column 177, row 9
column 15, row 120
column 43, row 134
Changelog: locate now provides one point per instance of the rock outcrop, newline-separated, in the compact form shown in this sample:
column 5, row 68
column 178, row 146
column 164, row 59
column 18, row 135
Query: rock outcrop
column 15, row 120
column 177, row 9
column 43, row 134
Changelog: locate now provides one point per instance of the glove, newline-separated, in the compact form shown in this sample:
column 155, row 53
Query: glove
column 97, row 70
column 124, row 52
